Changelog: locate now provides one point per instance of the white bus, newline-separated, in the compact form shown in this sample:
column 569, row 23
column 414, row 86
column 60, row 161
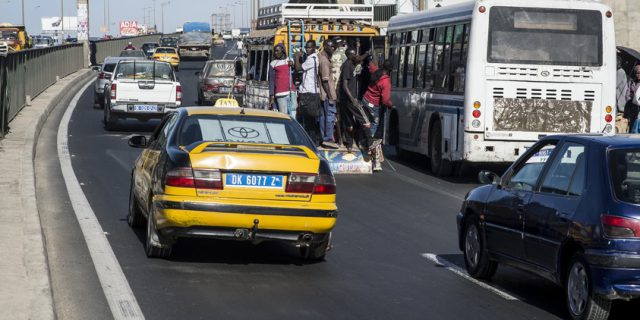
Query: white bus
column 481, row 81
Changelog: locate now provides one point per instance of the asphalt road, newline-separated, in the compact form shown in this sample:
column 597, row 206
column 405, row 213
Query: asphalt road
column 377, row 269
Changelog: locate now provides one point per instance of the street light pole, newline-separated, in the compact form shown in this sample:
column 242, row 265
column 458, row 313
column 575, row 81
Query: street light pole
column 162, row 12
column 23, row 14
column 62, row 18
column 154, row 14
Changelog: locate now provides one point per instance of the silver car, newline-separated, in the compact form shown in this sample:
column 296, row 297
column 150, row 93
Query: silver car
column 104, row 76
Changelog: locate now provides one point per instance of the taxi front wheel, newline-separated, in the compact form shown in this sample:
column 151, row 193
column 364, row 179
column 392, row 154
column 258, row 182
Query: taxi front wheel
column 156, row 246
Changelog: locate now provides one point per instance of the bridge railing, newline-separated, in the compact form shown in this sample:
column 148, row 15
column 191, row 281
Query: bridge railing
column 111, row 47
column 25, row 74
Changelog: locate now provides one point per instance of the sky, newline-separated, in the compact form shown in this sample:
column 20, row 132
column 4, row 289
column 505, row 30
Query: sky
column 176, row 12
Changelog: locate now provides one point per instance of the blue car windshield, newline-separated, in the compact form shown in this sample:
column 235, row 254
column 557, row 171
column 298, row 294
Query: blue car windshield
column 625, row 174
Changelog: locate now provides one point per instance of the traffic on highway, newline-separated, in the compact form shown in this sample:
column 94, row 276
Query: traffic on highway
column 463, row 162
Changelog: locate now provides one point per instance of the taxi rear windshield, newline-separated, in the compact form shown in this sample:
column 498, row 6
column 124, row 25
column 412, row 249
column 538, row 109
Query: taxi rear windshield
column 166, row 50
column 624, row 165
column 242, row 129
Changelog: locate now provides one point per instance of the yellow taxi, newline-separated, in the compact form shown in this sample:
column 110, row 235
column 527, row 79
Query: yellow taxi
column 232, row 173
column 167, row 54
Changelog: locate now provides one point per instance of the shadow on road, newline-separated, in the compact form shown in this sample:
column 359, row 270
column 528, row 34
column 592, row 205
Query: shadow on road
column 463, row 174
column 539, row 292
column 205, row 250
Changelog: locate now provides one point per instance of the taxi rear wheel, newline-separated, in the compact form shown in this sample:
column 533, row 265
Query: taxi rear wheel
column 156, row 246
column 135, row 219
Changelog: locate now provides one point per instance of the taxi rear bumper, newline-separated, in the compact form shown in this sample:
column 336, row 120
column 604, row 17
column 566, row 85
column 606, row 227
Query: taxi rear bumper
column 224, row 220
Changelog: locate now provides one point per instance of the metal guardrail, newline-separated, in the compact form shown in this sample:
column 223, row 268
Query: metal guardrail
column 111, row 47
column 25, row 74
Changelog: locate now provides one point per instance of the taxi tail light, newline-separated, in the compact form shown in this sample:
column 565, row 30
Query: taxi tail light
column 620, row 227
column 325, row 184
column 207, row 179
column 178, row 93
column 301, row 183
column 180, row 177
column 113, row 90
column 213, row 87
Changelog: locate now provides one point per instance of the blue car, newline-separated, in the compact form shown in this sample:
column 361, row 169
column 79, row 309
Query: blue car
column 567, row 210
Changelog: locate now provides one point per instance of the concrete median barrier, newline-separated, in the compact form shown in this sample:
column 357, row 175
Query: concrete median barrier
column 26, row 291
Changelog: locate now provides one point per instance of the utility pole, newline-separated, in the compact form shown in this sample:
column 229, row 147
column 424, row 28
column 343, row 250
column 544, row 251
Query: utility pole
column 62, row 19
column 154, row 14
column 162, row 12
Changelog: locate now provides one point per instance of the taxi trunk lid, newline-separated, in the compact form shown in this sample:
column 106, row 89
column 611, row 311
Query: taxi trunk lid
column 254, row 171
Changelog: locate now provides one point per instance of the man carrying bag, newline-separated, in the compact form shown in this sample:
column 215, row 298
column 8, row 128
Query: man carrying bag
column 310, row 108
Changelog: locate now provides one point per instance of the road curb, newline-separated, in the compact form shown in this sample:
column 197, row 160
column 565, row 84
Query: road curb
column 26, row 288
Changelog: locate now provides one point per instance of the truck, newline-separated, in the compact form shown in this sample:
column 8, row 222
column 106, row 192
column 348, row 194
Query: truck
column 195, row 40
column 142, row 90
column 13, row 38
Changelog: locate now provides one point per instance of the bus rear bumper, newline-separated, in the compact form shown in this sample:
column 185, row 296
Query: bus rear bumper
column 477, row 149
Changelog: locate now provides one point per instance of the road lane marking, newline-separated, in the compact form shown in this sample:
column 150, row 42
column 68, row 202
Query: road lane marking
column 122, row 302
column 123, row 164
column 459, row 271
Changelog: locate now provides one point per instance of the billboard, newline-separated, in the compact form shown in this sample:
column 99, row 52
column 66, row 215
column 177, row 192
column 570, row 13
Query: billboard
column 83, row 22
column 129, row 28
column 53, row 24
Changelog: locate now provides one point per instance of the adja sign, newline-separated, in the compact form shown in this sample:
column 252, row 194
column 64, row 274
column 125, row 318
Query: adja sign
column 129, row 28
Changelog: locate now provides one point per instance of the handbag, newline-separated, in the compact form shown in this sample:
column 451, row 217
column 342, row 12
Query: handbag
column 310, row 105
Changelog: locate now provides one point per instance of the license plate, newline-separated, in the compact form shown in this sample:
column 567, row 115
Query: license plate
column 254, row 181
column 224, row 89
column 145, row 108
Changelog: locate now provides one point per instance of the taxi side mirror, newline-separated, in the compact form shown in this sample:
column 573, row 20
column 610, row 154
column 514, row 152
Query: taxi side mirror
column 138, row 142
column 488, row 177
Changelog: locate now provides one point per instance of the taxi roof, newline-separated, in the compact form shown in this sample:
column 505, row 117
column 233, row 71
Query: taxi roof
column 234, row 111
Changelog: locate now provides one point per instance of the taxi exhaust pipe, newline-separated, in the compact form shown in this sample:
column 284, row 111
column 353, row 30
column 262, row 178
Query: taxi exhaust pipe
column 304, row 240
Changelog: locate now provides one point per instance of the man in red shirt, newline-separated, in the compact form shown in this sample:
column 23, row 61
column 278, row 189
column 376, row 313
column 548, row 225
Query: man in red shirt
column 282, row 90
column 376, row 99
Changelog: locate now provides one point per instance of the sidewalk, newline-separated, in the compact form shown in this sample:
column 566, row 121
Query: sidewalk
column 25, row 290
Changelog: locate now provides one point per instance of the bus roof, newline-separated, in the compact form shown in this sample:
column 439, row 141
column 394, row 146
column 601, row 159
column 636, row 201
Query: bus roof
column 463, row 11
column 435, row 16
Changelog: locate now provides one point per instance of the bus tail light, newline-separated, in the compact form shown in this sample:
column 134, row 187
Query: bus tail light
column 482, row 9
column 609, row 14
column 620, row 227
column 608, row 118
column 476, row 113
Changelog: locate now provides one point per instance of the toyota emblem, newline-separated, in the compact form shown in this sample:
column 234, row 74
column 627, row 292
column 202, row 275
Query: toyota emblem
column 242, row 132
column 544, row 73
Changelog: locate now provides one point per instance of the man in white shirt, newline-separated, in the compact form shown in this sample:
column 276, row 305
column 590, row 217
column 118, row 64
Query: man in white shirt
column 309, row 109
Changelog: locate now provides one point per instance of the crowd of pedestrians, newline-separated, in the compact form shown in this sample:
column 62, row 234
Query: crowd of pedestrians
column 319, row 88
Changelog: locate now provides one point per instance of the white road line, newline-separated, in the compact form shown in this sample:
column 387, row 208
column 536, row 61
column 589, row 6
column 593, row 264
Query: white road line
column 122, row 302
column 127, row 167
column 459, row 271
column 427, row 186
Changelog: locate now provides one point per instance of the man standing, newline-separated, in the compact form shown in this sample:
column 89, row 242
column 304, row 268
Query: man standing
column 631, row 108
column 375, row 100
column 327, row 95
column 282, row 90
column 309, row 109
column 351, row 105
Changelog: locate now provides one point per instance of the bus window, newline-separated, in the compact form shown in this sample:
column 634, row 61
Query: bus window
column 428, row 68
column 252, row 65
column 414, row 37
column 443, row 56
column 401, row 69
column 393, row 56
column 420, row 57
column 456, row 83
column 410, row 66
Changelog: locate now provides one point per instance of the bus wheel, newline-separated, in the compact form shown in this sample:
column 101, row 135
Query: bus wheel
column 439, row 166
